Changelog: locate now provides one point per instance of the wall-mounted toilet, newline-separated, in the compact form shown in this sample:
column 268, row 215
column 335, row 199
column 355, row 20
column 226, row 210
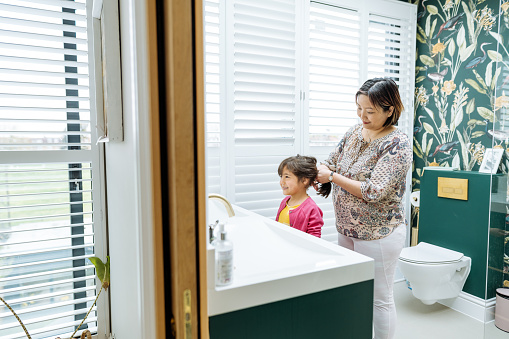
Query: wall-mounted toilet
column 434, row 272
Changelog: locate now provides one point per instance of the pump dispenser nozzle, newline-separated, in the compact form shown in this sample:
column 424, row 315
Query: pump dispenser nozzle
column 222, row 232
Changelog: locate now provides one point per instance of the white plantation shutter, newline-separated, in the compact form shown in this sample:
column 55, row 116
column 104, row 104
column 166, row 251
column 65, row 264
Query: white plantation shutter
column 334, row 73
column 391, row 51
column 390, row 45
column 263, row 76
column 48, row 169
column 263, row 99
column 257, row 184
column 214, row 55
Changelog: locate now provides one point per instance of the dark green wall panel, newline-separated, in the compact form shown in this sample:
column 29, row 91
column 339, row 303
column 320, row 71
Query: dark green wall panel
column 463, row 226
column 344, row 312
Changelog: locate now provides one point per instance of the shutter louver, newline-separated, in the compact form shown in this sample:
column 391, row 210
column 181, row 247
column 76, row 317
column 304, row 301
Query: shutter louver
column 264, row 99
column 264, row 76
column 47, row 169
column 213, row 56
column 390, row 42
column 257, row 184
column 334, row 73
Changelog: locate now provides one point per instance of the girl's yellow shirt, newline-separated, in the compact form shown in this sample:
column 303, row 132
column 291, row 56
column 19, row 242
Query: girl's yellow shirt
column 284, row 216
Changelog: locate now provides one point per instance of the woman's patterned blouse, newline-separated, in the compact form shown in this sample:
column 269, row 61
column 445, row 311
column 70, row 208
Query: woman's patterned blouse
column 381, row 167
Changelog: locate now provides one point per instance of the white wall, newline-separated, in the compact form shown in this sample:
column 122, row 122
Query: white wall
column 128, row 189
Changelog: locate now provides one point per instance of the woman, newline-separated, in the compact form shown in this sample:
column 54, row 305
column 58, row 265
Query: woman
column 368, row 170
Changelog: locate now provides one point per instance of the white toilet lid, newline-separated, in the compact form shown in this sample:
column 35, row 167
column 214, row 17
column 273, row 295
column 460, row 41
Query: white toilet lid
column 428, row 253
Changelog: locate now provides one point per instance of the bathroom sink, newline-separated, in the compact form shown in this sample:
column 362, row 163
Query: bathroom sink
column 271, row 252
column 274, row 262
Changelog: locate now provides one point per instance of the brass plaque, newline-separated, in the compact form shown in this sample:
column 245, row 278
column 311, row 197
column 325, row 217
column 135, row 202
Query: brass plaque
column 453, row 188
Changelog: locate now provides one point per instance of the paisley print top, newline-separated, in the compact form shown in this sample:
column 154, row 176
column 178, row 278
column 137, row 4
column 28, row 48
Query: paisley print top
column 381, row 167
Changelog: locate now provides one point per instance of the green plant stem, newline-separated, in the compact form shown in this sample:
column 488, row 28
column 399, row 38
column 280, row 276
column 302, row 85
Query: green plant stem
column 20, row 322
column 91, row 307
column 441, row 16
column 441, row 140
column 446, row 13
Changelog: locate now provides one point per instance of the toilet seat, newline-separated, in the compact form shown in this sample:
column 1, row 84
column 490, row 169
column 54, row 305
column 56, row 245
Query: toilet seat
column 425, row 253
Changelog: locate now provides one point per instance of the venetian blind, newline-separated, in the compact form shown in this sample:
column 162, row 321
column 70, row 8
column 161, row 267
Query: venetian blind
column 48, row 165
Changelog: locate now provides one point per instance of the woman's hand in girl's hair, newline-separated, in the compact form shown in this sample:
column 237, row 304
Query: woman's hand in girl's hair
column 323, row 174
column 322, row 184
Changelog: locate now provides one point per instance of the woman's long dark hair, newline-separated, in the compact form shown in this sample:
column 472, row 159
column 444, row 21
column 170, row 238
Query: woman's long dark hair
column 304, row 167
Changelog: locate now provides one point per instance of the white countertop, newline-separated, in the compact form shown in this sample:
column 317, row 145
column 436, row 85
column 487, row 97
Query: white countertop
column 273, row 262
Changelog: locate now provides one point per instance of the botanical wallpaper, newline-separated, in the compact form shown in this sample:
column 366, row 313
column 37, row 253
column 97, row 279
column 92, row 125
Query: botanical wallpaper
column 461, row 87
column 461, row 83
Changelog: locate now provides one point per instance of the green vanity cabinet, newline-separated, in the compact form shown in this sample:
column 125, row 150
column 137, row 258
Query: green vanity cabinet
column 473, row 227
column 344, row 312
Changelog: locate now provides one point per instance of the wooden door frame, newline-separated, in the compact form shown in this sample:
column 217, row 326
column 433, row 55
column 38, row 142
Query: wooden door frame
column 181, row 90
column 158, row 310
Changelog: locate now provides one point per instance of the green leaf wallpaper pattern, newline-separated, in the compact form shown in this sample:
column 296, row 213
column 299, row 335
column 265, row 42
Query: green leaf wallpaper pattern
column 461, row 80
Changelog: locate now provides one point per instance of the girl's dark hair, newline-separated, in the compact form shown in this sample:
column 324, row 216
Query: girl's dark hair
column 324, row 189
column 303, row 167
column 383, row 92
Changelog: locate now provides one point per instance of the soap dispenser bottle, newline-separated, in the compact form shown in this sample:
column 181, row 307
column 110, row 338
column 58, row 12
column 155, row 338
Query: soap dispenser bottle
column 224, row 258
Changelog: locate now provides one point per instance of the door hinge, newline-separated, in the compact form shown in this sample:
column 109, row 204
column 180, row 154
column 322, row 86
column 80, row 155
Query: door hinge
column 111, row 336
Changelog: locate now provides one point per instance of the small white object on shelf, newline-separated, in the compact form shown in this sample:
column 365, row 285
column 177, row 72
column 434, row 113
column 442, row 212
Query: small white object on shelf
column 491, row 160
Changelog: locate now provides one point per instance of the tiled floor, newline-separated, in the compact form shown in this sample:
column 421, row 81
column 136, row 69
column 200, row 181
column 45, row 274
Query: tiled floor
column 419, row 321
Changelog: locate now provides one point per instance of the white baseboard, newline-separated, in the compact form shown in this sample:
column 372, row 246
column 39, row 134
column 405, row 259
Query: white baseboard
column 477, row 308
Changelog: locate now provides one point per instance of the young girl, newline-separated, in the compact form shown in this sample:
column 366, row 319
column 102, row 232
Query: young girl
column 298, row 210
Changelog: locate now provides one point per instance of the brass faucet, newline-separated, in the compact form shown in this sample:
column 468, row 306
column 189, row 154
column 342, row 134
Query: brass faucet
column 225, row 202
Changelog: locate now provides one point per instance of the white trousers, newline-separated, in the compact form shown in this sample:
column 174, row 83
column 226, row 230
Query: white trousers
column 385, row 252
